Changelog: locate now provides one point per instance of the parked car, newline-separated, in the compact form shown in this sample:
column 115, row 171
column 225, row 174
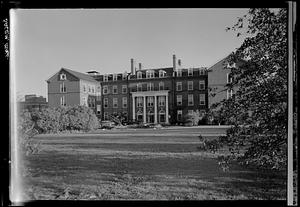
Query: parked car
column 107, row 124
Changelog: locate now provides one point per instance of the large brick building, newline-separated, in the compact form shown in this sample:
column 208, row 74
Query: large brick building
column 150, row 95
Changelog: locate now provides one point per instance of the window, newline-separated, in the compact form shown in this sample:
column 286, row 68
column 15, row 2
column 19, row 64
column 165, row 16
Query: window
column 190, row 85
column 124, row 76
column 190, row 100
column 201, row 85
column 229, row 93
column 150, row 74
column 178, row 86
column 115, row 102
column 89, row 88
column 150, row 86
column 105, row 102
column 105, row 116
column 124, row 88
column 202, row 99
column 179, row 115
column 63, row 76
column 150, row 101
column 105, row 78
column 201, row 71
column 161, row 73
column 115, row 89
column 161, row 85
column 161, row 101
column 93, row 102
column 93, row 89
column 84, row 88
column 62, row 101
column 105, row 89
column 179, row 73
column 98, row 96
column 139, row 75
column 229, row 78
column 98, row 109
column 139, row 101
column 139, row 87
column 63, row 88
column 190, row 72
column 124, row 102
column 115, row 77
column 179, row 100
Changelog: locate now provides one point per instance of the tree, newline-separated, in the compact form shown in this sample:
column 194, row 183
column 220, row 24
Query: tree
column 258, row 108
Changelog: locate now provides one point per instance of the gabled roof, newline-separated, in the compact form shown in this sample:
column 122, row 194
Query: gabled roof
column 78, row 75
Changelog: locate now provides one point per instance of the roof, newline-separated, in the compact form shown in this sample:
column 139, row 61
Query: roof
column 78, row 75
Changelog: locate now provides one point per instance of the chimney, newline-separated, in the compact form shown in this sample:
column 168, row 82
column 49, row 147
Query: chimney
column 140, row 66
column 174, row 62
column 132, row 66
column 179, row 62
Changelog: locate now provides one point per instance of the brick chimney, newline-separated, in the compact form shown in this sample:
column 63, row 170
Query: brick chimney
column 174, row 62
column 132, row 66
column 140, row 66
column 179, row 62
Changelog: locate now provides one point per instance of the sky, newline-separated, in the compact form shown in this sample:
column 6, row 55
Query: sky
column 45, row 40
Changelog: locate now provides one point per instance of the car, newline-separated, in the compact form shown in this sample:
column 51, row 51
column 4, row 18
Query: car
column 107, row 124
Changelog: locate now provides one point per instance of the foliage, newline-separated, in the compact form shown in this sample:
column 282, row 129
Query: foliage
column 194, row 118
column 119, row 118
column 258, row 108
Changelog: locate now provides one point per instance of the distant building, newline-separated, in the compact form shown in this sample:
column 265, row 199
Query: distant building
column 33, row 102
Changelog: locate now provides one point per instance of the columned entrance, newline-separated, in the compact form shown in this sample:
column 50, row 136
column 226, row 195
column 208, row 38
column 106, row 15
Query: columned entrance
column 150, row 112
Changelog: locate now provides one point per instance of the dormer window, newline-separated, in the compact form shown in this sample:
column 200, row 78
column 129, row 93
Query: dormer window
column 201, row 71
column 124, row 76
column 105, row 78
column 115, row 77
column 162, row 73
column 63, row 76
column 139, row 75
column 150, row 74
column 190, row 72
column 179, row 73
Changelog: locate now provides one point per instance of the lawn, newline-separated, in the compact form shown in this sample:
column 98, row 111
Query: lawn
column 146, row 164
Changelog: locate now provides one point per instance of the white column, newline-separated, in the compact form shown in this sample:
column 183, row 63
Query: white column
column 167, row 109
column 155, row 109
column 144, row 107
column 133, row 108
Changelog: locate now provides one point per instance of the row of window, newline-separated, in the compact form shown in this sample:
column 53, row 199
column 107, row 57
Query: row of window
column 115, row 89
column 190, row 99
column 115, row 102
column 190, row 72
column 191, row 85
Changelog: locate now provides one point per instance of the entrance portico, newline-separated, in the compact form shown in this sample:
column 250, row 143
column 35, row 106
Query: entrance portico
column 160, row 110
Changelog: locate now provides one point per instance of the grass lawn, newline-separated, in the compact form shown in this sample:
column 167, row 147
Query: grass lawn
column 147, row 164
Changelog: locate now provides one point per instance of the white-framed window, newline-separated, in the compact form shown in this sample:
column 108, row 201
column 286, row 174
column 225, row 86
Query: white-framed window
column 201, row 84
column 93, row 89
column 229, row 93
column 139, row 87
column 124, row 76
column 115, row 77
column 105, row 78
column 139, row 101
column 190, row 100
column 161, row 73
column 89, row 88
column 98, row 109
column 178, row 86
column 179, row 72
column 190, row 72
column 98, row 96
column 161, row 86
column 150, row 101
column 179, row 100
column 201, row 71
column 62, row 76
column 115, row 102
column 62, row 101
column 202, row 99
column 105, row 90
column 190, row 85
column 179, row 115
column 63, row 88
column 115, row 89
column 161, row 100
column 229, row 78
column 149, row 74
column 124, row 89
column 150, row 87
column 84, row 87
column 105, row 116
column 84, row 101
column 124, row 102
column 139, row 75
column 105, row 102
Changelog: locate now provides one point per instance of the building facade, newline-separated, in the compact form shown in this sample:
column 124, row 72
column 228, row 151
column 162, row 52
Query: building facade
column 33, row 102
column 151, row 95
